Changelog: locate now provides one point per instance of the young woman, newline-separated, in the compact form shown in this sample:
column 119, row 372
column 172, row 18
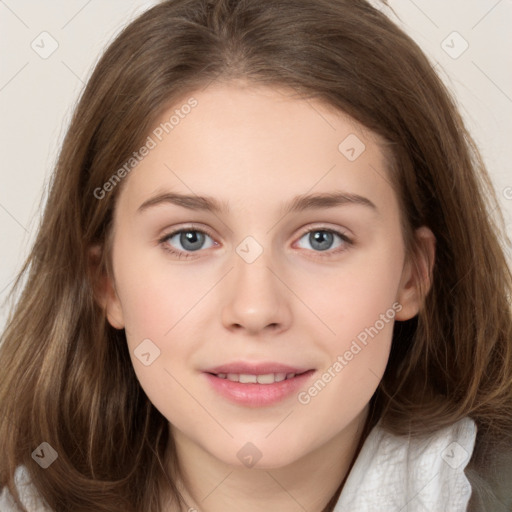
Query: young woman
column 267, row 278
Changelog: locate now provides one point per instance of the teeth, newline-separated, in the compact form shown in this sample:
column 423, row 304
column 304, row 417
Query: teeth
column 269, row 378
column 246, row 378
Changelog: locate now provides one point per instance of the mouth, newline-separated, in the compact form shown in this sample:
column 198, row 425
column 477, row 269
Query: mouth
column 257, row 385
column 265, row 379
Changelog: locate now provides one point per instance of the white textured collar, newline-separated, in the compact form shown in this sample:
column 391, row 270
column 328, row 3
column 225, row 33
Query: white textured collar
column 391, row 474
column 397, row 474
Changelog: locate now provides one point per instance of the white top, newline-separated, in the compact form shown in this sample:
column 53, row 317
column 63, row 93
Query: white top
column 393, row 474
column 390, row 474
column 28, row 494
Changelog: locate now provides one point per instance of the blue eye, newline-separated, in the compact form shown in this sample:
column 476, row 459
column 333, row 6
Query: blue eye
column 321, row 240
column 192, row 240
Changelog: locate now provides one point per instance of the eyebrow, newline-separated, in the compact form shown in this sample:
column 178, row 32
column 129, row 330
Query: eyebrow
column 297, row 204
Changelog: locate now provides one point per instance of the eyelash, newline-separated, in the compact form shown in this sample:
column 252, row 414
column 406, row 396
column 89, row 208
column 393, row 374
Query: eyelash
column 183, row 254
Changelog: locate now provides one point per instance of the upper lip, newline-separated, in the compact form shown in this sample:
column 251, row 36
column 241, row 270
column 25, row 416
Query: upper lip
column 262, row 368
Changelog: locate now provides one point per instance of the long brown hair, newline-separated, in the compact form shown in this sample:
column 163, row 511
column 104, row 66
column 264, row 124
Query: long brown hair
column 67, row 375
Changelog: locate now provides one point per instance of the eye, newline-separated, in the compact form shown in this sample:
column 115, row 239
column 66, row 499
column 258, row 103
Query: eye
column 322, row 240
column 190, row 240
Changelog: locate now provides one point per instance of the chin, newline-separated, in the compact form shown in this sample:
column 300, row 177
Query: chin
column 263, row 454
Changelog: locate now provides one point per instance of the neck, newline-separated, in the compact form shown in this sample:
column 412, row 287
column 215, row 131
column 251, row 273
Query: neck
column 311, row 483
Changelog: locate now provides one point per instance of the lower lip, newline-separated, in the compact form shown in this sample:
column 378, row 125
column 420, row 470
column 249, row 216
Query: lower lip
column 258, row 395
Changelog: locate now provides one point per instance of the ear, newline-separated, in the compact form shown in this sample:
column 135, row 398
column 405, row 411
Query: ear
column 417, row 274
column 104, row 288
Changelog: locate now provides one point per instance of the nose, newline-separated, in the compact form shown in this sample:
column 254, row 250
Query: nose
column 255, row 299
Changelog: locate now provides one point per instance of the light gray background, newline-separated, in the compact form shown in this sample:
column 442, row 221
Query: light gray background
column 37, row 94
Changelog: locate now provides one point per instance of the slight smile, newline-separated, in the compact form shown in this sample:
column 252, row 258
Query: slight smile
column 257, row 385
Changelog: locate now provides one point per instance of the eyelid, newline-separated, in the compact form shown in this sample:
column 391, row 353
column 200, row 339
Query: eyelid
column 323, row 227
column 348, row 241
column 341, row 232
column 186, row 227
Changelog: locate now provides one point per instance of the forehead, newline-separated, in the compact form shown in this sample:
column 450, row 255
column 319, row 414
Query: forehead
column 253, row 146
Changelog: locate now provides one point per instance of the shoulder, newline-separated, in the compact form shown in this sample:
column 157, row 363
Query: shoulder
column 490, row 474
column 418, row 473
column 28, row 494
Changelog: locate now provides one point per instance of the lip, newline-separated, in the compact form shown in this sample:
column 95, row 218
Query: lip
column 257, row 395
column 256, row 368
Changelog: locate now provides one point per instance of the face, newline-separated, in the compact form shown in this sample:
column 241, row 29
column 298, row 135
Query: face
column 286, row 277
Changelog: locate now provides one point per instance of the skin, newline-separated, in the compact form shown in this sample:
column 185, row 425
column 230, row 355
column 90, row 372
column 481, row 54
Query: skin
column 255, row 148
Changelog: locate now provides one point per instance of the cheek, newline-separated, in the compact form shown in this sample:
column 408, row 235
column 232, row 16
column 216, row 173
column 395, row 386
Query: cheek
column 353, row 296
column 161, row 303
column 360, row 308
column 155, row 294
column 356, row 359
column 155, row 305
